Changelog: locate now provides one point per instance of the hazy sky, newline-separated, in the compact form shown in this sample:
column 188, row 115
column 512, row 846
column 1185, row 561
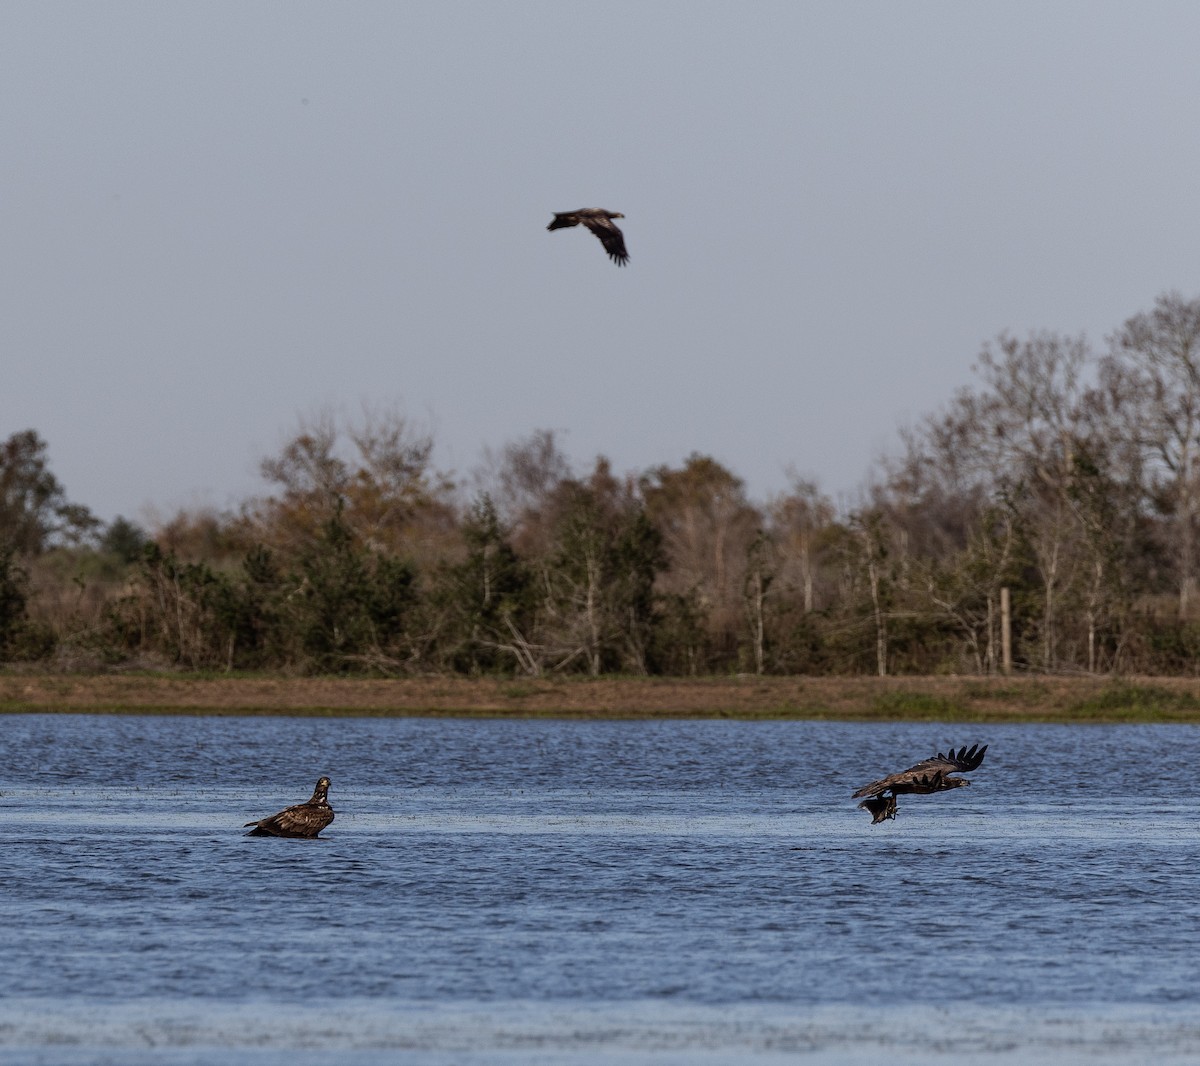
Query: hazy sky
column 217, row 218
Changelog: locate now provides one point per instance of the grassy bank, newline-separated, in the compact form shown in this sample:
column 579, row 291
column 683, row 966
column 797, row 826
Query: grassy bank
column 861, row 698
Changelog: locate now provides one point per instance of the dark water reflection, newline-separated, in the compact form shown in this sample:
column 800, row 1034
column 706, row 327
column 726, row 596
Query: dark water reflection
column 533, row 891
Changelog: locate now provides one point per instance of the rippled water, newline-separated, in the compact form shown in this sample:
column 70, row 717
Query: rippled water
column 612, row 892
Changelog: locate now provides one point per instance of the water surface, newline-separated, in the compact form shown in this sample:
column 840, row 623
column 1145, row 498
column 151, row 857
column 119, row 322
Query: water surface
column 559, row 892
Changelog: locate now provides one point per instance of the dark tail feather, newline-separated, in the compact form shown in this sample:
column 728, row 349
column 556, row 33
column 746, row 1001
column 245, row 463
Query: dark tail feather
column 881, row 808
column 562, row 223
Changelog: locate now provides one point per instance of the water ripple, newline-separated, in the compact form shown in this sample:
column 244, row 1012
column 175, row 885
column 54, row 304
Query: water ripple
column 592, row 892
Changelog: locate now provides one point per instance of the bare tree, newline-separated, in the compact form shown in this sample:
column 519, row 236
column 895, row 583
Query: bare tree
column 868, row 530
column 707, row 525
column 799, row 522
column 965, row 589
column 376, row 473
column 760, row 576
column 1155, row 361
column 523, row 478
column 1029, row 421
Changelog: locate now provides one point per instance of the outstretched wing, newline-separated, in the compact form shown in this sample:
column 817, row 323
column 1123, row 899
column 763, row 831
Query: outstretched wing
column 929, row 775
column 564, row 220
column 957, row 761
column 611, row 237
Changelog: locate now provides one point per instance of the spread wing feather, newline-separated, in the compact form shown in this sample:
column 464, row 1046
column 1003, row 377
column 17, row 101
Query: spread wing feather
column 929, row 775
column 611, row 237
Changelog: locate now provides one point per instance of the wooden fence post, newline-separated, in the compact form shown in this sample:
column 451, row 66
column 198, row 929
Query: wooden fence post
column 1005, row 632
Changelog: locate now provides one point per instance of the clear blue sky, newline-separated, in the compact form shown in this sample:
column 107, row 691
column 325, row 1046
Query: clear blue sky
column 220, row 217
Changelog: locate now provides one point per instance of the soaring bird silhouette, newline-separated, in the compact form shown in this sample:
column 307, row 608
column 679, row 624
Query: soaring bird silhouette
column 929, row 775
column 600, row 223
column 299, row 820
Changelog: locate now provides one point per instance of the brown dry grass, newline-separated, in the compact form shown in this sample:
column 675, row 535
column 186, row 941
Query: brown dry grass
column 923, row 698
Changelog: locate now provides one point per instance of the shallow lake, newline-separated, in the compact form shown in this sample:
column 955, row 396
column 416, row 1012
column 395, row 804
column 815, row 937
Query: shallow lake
column 601, row 893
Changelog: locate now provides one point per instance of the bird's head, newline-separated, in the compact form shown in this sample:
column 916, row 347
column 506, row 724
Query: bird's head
column 616, row 214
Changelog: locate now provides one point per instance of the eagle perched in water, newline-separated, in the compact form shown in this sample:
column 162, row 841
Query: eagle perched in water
column 301, row 819
column 929, row 775
column 600, row 223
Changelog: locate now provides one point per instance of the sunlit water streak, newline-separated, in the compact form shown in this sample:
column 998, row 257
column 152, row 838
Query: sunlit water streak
column 531, row 891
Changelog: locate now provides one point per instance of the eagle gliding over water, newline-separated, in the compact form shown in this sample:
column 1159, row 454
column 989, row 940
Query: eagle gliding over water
column 929, row 775
column 600, row 223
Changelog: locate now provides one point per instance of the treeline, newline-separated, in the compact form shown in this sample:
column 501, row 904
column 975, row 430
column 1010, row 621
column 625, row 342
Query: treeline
column 1069, row 476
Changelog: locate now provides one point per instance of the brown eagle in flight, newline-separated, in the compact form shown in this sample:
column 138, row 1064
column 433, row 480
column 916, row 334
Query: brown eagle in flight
column 299, row 820
column 929, row 775
column 600, row 223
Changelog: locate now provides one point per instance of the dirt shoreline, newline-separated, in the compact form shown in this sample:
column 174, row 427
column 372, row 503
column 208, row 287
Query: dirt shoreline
column 1031, row 699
